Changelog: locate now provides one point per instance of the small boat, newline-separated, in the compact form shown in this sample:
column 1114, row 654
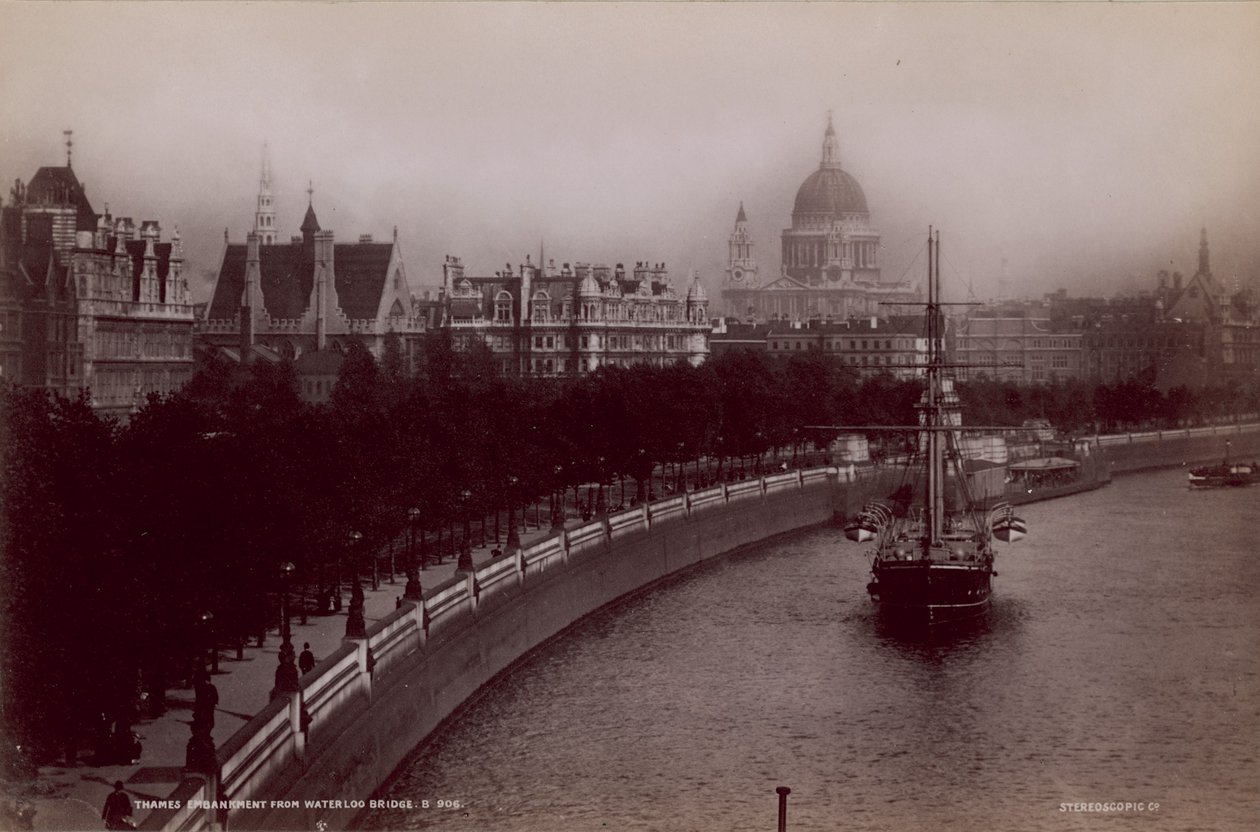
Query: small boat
column 1226, row 475
column 933, row 546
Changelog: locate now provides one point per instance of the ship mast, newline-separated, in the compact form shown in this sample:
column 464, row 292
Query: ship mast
column 935, row 502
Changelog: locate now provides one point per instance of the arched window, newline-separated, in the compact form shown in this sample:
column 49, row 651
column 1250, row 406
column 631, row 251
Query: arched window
column 396, row 311
column 503, row 307
column 542, row 306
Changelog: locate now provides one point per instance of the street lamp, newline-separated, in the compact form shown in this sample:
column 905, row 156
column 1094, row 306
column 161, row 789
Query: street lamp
column 465, row 563
column 413, row 592
column 199, row 754
column 286, row 671
column 680, row 470
column 514, row 534
column 356, row 626
column 557, row 499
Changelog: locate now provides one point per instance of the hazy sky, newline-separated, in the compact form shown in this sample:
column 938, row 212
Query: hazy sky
column 1084, row 143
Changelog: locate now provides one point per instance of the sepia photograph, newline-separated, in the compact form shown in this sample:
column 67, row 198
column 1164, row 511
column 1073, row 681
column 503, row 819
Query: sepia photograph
column 663, row 416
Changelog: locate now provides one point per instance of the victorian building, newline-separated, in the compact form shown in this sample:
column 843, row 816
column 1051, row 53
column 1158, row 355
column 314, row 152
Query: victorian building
column 285, row 300
column 829, row 257
column 572, row 320
column 1230, row 318
column 90, row 302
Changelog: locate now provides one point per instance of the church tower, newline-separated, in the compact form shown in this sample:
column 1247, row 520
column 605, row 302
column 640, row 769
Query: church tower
column 741, row 267
column 265, row 216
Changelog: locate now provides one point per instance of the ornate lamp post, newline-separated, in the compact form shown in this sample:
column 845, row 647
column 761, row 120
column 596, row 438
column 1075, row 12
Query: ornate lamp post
column 680, row 470
column 286, row 671
column 600, row 503
column 514, row 534
column 413, row 591
column 199, row 754
column 465, row 563
column 356, row 626
column 557, row 499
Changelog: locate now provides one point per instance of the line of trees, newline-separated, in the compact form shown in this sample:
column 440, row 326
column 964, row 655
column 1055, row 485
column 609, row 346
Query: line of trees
column 116, row 538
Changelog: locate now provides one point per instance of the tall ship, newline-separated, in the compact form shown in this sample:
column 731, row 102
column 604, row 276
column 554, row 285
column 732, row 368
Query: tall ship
column 933, row 555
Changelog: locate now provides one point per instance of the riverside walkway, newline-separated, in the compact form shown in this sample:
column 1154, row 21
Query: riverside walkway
column 67, row 798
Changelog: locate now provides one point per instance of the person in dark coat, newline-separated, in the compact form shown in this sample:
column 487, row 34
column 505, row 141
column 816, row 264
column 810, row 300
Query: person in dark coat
column 306, row 661
column 117, row 809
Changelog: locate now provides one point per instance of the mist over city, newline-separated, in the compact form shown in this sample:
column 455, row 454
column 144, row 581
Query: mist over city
column 1084, row 145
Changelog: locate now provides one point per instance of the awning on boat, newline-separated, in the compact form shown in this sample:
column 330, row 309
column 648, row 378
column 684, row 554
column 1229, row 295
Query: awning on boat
column 1047, row 463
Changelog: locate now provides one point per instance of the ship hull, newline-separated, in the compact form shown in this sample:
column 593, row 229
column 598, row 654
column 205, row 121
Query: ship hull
column 931, row 593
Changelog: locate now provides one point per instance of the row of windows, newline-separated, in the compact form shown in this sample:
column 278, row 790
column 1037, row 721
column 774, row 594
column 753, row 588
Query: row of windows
column 131, row 344
column 543, row 311
column 836, row 346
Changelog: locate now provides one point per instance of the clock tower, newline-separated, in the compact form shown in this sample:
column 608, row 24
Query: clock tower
column 741, row 268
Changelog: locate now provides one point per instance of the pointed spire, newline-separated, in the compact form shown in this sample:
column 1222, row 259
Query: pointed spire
column 309, row 223
column 1204, row 260
column 740, row 216
column 265, row 216
column 264, row 181
column 831, row 148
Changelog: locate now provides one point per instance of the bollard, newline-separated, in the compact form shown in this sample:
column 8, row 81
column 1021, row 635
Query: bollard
column 783, row 792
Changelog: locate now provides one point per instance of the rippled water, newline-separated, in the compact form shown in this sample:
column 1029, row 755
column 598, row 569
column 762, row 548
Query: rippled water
column 1119, row 664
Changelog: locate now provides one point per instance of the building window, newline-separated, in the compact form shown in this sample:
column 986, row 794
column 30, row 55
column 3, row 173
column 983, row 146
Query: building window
column 503, row 308
column 542, row 306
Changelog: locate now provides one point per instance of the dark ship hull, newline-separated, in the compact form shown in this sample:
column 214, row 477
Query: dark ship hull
column 928, row 592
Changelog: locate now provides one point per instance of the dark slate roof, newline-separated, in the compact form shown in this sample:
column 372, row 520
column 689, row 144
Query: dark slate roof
column 362, row 269
column 288, row 275
column 59, row 186
column 309, row 223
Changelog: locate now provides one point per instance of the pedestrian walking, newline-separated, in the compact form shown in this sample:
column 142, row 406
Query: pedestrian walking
column 117, row 809
column 306, row 661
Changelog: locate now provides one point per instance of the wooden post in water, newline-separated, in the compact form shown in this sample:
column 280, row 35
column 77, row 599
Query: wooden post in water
column 783, row 792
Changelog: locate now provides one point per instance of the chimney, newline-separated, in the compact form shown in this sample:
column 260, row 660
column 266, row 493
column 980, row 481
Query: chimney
column 874, row 322
column 323, row 246
column 251, row 298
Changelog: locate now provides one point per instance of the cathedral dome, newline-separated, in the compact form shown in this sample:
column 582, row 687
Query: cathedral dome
column 829, row 190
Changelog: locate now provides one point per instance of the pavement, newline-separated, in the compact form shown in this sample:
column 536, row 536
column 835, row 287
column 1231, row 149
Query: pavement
column 69, row 798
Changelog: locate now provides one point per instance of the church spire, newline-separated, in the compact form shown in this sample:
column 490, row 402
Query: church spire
column 831, row 149
column 265, row 217
column 740, row 216
column 1204, row 265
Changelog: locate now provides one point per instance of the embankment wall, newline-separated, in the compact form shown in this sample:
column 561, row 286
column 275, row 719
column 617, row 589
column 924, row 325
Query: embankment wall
column 1130, row 452
column 368, row 705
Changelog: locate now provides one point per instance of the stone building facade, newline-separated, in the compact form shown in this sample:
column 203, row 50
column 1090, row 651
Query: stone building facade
column 573, row 320
column 101, row 304
column 829, row 257
column 309, row 294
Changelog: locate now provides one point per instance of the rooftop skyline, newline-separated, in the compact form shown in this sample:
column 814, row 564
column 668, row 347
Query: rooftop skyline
column 1074, row 141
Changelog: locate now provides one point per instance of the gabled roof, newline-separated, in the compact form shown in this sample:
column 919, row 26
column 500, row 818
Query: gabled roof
column 59, row 186
column 785, row 283
column 288, row 275
column 362, row 271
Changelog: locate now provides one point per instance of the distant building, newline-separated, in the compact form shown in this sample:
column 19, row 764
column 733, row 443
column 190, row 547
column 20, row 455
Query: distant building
column 868, row 346
column 829, row 259
column 90, row 302
column 311, row 293
column 1230, row 319
column 730, row 334
column 574, row 320
column 1023, row 349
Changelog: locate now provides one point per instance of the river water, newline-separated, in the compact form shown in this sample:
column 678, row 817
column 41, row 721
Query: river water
column 1119, row 665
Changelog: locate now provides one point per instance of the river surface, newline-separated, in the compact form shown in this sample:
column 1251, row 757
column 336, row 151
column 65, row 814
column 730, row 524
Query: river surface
column 1119, row 664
